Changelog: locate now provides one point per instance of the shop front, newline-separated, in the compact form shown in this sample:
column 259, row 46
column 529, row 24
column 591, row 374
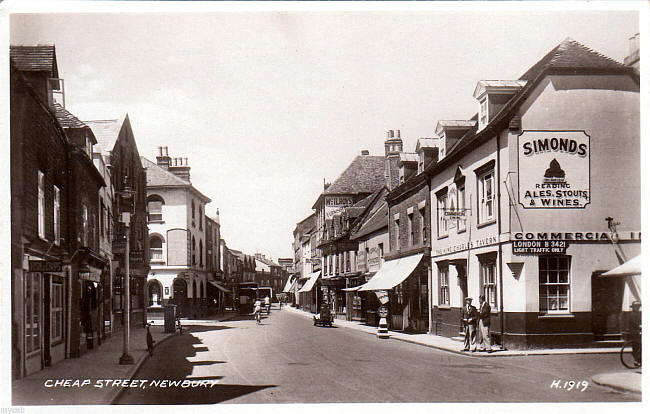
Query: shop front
column 405, row 281
column 310, row 296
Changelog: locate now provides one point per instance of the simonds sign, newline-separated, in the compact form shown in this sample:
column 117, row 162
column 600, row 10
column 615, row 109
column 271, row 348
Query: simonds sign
column 554, row 169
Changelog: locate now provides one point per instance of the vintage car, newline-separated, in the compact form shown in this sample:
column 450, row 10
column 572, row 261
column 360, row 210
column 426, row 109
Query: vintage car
column 324, row 318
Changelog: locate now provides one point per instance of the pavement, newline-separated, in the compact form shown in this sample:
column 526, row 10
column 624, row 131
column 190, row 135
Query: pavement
column 624, row 380
column 89, row 372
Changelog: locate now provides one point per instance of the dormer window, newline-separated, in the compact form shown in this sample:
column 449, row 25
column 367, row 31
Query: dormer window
column 483, row 112
column 89, row 147
column 492, row 96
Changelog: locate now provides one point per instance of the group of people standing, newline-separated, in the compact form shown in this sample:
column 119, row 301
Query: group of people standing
column 477, row 325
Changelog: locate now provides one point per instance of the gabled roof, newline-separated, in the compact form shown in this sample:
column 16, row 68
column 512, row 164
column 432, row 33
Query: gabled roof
column 454, row 124
column 365, row 174
column 509, row 86
column 573, row 55
column 39, row 58
column 377, row 221
column 107, row 131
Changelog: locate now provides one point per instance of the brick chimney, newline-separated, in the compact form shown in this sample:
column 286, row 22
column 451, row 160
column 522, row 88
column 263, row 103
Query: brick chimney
column 392, row 146
column 163, row 160
column 365, row 152
column 180, row 168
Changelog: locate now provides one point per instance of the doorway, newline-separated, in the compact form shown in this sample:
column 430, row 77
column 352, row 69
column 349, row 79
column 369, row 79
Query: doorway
column 606, row 305
column 179, row 296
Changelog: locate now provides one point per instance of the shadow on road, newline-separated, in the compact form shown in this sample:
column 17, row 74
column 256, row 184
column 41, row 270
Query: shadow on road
column 172, row 362
column 204, row 328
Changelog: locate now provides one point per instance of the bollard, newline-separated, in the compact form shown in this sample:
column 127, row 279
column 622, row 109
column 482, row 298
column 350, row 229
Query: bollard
column 382, row 329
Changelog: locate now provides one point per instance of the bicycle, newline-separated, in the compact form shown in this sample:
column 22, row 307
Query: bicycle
column 631, row 353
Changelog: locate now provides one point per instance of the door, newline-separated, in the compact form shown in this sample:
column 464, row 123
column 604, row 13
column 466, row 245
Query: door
column 179, row 296
column 606, row 304
column 462, row 284
column 33, row 312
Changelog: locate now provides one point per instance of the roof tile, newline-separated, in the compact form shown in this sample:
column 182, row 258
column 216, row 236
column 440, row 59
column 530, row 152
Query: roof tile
column 364, row 175
column 39, row 58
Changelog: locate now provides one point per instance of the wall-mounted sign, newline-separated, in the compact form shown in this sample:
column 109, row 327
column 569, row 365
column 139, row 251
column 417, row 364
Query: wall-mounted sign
column 374, row 259
column 554, row 169
column 467, row 245
column 44, row 266
column 539, row 246
column 335, row 205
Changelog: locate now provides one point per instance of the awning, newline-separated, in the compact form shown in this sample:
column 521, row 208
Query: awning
column 353, row 289
column 218, row 286
column 289, row 285
column 309, row 285
column 630, row 268
column 393, row 273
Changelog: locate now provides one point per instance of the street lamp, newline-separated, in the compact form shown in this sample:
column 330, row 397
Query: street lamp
column 125, row 217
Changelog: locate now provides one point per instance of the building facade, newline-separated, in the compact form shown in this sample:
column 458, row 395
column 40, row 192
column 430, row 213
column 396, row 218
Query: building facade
column 177, row 236
column 533, row 203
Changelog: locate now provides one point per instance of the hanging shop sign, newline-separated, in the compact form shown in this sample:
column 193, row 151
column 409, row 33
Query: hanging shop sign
column 45, row 266
column 554, row 169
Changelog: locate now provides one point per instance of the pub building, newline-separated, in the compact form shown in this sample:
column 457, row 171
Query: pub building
column 536, row 196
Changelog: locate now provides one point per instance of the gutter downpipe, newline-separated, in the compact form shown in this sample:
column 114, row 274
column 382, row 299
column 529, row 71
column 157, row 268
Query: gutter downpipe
column 500, row 251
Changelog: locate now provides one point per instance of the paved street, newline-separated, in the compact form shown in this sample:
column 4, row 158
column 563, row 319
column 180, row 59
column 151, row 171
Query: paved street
column 288, row 360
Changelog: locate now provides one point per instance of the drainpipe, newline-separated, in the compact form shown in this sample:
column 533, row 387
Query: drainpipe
column 500, row 251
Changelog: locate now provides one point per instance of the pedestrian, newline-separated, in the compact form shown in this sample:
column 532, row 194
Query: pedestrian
column 469, row 320
column 258, row 311
column 267, row 304
column 484, row 325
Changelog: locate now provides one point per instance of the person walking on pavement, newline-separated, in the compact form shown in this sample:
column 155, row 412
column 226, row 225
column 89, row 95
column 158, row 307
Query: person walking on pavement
column 484, row 325
column 267, row 305
column 469, row 316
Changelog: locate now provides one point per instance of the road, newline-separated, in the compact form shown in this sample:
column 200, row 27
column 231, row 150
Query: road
column 288, row 360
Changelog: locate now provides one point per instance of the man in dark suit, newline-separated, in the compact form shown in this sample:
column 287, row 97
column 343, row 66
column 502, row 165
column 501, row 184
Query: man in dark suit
column 484, row 325
column 469, row 316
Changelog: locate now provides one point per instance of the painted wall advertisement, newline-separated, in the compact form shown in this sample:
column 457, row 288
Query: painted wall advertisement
column 554, row 169
column 336, row 205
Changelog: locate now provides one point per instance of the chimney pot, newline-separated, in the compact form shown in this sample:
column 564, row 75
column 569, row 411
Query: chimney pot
column 166, row 154
column 398, row 133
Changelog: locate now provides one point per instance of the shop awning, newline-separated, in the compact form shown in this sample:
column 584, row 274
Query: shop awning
column 353, row 289
column 309, row 285
column 288, row 287
column 392, row 273
column 630, row 268
column 218, row 286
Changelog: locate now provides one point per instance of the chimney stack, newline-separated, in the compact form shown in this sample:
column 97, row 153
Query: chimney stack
column 392, row 147
column 365, row 152
column 163, row 160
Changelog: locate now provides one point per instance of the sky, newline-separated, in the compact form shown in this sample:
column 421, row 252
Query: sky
column 268, row 104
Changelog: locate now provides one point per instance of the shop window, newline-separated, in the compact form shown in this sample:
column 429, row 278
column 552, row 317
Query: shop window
column 486, row 197
column 56, row 311
column 41, row 205
column 57, row 216
column 488, row 281
column 33, row 295
column 442, row 221
column 443, row 285
column 155, row 206
column 554, row 284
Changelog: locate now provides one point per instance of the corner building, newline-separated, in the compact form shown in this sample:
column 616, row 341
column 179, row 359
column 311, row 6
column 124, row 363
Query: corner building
column 538, row 196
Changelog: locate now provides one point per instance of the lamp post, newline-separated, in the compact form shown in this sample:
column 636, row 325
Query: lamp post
column 126, row 358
